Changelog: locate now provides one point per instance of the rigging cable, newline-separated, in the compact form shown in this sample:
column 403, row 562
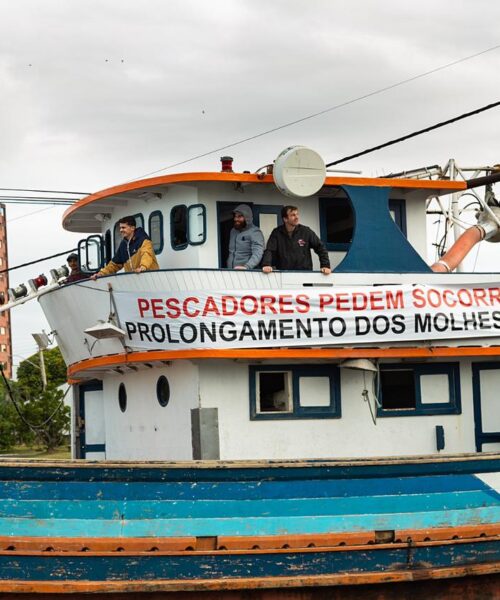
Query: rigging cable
column 322, row 112
column 415, row 133
column 27, row 264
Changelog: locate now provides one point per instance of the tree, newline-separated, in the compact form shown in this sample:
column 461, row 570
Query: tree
column 41, row 416
column 8, row 422
column 29, row 374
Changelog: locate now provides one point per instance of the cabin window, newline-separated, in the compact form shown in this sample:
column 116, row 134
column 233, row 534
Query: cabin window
column 420, row 389
column 117, row 238
column 122, row 397
column 337, row 221
column 196, row 224
column 292, row 392
column 155, row 228
column 187, row 226
column 162, row 390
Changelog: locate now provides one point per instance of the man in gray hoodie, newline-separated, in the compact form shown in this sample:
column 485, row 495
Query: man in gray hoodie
column 246, row 242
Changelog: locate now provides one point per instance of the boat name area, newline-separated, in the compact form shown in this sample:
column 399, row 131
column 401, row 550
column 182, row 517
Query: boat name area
column 266, row 318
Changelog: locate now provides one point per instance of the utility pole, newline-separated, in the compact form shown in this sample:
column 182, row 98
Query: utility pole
column 42, row 341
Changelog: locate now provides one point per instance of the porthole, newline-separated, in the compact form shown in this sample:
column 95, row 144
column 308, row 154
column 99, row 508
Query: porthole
column 163, row 390
column 122, row 397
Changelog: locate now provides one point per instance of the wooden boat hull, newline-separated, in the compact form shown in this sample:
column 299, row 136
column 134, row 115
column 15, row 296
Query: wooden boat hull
column 70, row 527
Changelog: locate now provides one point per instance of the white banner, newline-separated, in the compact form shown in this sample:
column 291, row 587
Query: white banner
column 307, row 317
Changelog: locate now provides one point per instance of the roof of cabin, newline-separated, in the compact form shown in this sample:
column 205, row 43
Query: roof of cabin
column 83, row 216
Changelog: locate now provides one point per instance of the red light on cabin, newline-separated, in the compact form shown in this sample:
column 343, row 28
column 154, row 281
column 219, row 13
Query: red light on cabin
column 226, row 164
column 40, row 281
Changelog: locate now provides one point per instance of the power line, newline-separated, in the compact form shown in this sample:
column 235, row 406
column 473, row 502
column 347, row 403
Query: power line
column 414, row 134
column 27, row 264
column 43, row 191
column 33, row 212
column 322, row 112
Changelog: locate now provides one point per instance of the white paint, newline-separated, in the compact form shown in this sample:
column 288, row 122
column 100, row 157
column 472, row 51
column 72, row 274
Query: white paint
column 314, row 391
column 434, row 389
column 490, row 399
column 491, row 479
column 95, row 430
column 353, row 435
column 147, row 430
column 299, row 172
column 268, row 222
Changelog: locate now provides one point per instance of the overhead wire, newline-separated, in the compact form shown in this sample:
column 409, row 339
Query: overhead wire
column 415, row 133
column 322, row 112
column 27, row 264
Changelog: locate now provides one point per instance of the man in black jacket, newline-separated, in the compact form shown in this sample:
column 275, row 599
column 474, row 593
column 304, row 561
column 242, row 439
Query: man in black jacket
column 289, row 246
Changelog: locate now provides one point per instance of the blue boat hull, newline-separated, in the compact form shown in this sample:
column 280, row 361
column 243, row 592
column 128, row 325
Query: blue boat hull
column 88, row 527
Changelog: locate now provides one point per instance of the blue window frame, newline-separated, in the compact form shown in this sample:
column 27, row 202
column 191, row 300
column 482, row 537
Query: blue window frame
column 155, row 230
column 294, row 392
column 337, row 221
column 117, row 238
column 419, row 389
column 188, row 226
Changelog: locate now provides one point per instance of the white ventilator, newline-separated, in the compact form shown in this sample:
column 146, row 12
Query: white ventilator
column 299, row 172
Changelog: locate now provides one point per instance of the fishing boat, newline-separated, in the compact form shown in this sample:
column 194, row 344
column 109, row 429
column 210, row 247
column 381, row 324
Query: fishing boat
column 241, row 430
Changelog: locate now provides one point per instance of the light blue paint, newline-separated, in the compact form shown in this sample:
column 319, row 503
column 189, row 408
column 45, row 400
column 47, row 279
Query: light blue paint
column 152, row 509
column 248, row 526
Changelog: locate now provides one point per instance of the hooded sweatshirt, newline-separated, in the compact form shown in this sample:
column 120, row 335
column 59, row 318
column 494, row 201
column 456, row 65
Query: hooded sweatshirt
column 133, row 253
column 246, row 245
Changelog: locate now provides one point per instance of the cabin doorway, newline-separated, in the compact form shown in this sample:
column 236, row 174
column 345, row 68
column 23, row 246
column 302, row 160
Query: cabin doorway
column 485, row 385
column 225, row 224
column 266, row 217
column 91, row 431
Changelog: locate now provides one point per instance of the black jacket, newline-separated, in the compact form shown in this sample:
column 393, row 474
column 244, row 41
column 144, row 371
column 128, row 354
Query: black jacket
column 293, row 253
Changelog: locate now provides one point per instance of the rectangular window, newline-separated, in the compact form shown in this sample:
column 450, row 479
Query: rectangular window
column 419, row 389
column 2, row 330
column 294, row 392
column 337, row 221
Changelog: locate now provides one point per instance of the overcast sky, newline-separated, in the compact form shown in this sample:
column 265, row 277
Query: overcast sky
column 97, row 92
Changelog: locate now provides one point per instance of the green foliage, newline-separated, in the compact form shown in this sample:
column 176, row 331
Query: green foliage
column 29, row 375
column 8, row 423
column 44, row 419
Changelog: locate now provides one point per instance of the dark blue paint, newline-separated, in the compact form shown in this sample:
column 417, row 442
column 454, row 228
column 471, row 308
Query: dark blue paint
column 481, row 436
column 333, row 411
column 378, row 245
column 311, row 469
column 232, row 490
column 153, row 567
column 93, row 386
column 398, row 207
column 452, row 407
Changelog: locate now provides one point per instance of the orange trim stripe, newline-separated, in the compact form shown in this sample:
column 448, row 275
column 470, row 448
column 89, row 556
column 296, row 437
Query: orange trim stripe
column 173, row 585
column 116, row 360
column 223, row 544
column 253, row 178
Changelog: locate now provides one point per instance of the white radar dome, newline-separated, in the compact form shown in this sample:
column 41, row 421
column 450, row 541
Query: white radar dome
column 299, row 172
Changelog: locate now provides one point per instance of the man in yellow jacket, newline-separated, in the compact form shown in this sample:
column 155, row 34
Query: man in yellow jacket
column 135, row 252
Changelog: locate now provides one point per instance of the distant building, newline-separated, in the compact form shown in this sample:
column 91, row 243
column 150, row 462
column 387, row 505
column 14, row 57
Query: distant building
column 5, row 334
